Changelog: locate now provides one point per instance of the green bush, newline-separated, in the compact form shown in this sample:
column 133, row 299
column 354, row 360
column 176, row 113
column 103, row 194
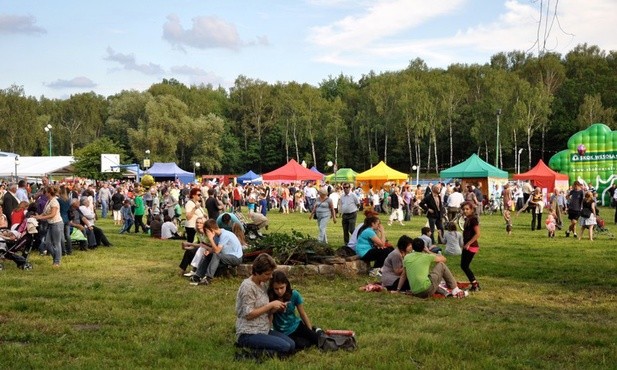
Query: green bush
column 291, row 248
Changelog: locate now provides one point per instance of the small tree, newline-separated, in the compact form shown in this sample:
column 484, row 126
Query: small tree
column 88, row 159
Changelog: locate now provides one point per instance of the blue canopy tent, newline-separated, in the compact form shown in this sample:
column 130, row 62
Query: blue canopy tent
column 314, row 169
column 170, row 171
column 247, row 177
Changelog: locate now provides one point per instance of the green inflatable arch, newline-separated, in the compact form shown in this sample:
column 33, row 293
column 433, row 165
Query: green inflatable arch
column 591, row 158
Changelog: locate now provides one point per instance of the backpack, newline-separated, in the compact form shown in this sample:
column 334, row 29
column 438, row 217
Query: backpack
column 334, row 342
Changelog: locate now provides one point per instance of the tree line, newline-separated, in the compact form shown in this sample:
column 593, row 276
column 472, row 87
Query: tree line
column 515, row 104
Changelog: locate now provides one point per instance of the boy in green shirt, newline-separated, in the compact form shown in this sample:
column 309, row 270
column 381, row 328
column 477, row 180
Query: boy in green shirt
column 425, row 283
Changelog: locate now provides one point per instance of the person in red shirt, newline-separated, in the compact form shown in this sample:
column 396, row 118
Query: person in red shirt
column 19, row 213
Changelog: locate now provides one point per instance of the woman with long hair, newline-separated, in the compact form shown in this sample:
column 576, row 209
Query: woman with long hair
column 55, row 228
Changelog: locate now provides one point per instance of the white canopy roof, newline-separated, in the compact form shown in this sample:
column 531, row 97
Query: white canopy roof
column 36, row 166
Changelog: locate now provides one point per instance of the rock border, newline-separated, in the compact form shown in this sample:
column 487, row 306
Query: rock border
column 332, row 266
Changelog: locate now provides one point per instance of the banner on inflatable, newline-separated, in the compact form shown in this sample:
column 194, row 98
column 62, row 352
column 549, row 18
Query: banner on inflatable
column 591, row 158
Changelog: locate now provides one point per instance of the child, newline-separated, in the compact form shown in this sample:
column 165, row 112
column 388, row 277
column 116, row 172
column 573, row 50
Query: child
column 428, row 242
column 252, row 203
column 551, row 224
column 285, row 321
column 127, row 216
column 471, row 234
column 453, row 240
column 237, row 229
column 263, row 204
column 508, row 206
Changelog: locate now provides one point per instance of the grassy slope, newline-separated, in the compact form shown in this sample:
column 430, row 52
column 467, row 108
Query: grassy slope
column 545, row 304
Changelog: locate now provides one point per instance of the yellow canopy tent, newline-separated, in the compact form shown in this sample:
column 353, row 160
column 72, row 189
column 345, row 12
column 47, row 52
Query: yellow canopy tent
column 380, row 174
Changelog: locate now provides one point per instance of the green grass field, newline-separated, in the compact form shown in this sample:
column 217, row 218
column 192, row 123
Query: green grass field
column 544, row 304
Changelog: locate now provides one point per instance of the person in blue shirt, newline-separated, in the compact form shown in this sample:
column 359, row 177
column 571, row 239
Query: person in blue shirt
column 227, row 220
column 263, row 204
column 224, row 248
column 371, row 244
column 285, row 321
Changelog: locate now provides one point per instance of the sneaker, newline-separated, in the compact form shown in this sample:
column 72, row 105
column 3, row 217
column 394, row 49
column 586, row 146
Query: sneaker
column 567, row 234
column 444, row 291
column 189, row 274
column 459, row 293
column 376, row 272
column 475, row 287
column 196, row 280
column 576, row 236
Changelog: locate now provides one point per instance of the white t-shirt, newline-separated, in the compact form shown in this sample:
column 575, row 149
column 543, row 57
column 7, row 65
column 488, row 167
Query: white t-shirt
column 168, row 229
column 189, row 207
column 335, row 196
column 455, row 199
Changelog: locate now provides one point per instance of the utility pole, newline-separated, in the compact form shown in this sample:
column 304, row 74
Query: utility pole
column 497, row 145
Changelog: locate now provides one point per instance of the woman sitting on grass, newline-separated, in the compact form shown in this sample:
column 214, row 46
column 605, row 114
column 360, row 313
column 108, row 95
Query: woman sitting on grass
column 254, row 310
column 393, row 266
column 371, row 247
column 193, row 251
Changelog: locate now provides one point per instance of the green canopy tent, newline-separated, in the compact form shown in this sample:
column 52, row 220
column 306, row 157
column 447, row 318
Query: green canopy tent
column 342, row 175
column 475, row 171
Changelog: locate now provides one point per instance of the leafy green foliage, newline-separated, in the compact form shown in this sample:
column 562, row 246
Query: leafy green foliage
column 295, row 247
column 418, row 115
column 88, row 159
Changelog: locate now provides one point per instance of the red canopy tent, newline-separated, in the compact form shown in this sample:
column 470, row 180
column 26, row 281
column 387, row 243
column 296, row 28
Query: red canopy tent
column 292, row 171
column 541, row 175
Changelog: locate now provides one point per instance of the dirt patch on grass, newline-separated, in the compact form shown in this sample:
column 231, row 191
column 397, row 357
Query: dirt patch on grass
column 87, row 327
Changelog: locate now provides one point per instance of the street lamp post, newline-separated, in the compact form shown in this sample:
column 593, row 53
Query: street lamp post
column 518, row 160
column 497, row 145
column 417, row 169
column 48, row 130
column 16, row 164
column 196, row 166
column 147, row 159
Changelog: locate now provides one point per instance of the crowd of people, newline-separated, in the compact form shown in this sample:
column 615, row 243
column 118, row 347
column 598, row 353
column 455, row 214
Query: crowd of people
column 64, row 214
column 214, row 235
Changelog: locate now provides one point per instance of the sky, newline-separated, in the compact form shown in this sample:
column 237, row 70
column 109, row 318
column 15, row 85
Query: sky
column 64, row 47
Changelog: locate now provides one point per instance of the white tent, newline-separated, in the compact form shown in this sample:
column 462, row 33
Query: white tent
column 36, row 166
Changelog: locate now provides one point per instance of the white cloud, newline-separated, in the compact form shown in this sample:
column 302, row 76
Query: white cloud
column 77, row 82
column 128, row 62
column 381, row 19
column 19, row 24
column 206, row 33
column 198, row 76
column 591, row 21
column 374, row 36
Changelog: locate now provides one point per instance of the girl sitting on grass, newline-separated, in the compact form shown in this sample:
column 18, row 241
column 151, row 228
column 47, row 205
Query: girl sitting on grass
column 453, row 240
column 253, row 312
column 285, row 321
